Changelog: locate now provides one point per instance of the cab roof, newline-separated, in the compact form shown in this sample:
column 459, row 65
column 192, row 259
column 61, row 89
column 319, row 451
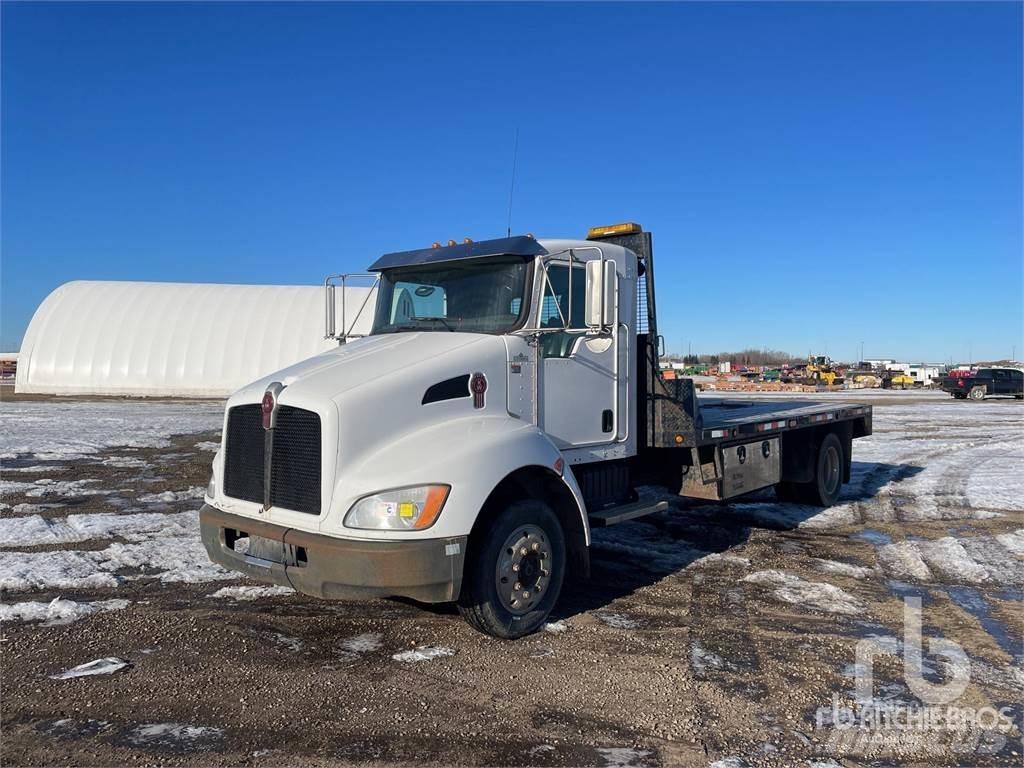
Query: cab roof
column 521, row 245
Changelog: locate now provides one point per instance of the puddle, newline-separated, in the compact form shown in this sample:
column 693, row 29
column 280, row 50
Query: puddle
column 873, row 536
column 972, row 601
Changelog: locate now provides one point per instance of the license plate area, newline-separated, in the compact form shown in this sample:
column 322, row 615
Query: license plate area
column 263, row 552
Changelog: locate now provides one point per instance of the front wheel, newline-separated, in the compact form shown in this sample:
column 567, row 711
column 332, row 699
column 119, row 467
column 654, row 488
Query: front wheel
column 514, row 576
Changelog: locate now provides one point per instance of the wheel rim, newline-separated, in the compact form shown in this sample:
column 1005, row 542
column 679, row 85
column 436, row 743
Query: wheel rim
column 831, row 470
column 522, row 574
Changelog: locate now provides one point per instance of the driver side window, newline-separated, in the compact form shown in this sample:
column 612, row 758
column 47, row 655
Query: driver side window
column 555, row 311
column 554, row 306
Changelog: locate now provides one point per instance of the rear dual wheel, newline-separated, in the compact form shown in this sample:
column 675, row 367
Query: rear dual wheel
column 823, row 490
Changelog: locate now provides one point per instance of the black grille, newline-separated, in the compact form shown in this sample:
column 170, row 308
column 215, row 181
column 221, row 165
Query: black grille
column 243, row 454
column 295, row 469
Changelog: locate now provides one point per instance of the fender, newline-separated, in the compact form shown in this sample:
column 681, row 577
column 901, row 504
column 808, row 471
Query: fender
column 472, row 455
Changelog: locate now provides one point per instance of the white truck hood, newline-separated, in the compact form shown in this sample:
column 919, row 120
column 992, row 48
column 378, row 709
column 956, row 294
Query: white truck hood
column 332, row 374
column 369, row 395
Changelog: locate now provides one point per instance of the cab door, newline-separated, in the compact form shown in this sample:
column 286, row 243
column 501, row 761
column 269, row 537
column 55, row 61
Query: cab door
column 578, row 384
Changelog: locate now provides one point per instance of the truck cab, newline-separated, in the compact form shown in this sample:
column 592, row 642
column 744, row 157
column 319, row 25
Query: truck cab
column 507, row 398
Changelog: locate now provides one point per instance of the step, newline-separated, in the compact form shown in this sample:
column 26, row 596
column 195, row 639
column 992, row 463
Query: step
column 621, row 514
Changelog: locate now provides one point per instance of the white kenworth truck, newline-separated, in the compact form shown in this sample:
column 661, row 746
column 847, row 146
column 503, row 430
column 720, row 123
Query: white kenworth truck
column 507, row 400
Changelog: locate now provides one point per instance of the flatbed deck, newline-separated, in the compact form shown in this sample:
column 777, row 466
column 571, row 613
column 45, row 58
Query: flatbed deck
column 723, row 418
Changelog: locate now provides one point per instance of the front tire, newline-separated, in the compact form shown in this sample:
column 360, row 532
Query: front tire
column 515, row 571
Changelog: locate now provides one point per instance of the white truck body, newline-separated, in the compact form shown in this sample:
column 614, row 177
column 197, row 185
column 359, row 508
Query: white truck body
column 507, row 398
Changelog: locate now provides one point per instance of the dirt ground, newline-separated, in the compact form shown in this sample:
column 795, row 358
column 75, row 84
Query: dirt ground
column 696, row 640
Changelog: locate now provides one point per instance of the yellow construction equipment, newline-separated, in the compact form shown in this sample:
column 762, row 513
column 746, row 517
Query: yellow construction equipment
column 820, row 370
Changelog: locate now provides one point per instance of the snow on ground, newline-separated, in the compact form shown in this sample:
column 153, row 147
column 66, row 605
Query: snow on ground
column 41, row 428
column 125, row 462
column 816, row 595
column 618, row 621
column 175, row 736
column 169, row 497
column 34, row 530
column 49, row 487
column 423, row 653
column 57, row 611
column 172, row 554
column 964, row 560
column 208, row 445
column 353, row 648
column 156, row 545
column 248, row 594
column 842, row 569
column 106, row 666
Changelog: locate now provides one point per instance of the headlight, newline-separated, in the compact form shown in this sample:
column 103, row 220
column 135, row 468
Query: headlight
column 403, row 509
column 211, row 487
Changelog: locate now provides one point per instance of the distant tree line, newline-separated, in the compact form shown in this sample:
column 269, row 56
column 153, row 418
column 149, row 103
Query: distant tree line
column 771, row 357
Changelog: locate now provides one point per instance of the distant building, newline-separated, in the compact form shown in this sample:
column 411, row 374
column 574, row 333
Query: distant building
column 175, row 339
column 8, row 365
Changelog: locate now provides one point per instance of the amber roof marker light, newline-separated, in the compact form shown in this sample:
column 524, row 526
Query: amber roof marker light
column 612, row 230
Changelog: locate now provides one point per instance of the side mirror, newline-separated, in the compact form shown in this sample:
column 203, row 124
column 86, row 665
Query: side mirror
column 599, row 307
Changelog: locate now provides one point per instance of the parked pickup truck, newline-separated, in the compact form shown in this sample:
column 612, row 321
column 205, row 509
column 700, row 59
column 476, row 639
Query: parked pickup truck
column 983, row 382
column 507, row 400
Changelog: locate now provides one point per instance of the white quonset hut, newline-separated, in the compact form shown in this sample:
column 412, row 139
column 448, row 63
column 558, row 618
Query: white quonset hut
column 175, row 339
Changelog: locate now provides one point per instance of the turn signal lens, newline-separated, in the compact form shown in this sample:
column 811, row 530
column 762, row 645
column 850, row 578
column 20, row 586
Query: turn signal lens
column 404, row 509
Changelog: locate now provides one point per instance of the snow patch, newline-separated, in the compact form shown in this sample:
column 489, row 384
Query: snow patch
column 815, row 595
column 618, row 620
column 247, row 594
column 722, row 558
column 555, row 627
column 175, row 736
column 35, row 530
column 177, row 557
column 703, row 660
column 625, row 757
column 423, row 653
column 125, row 462
column 169, row 497
column 40, row 428
column 105, row 666
column 842, row 569
column 57, row 611
column 208, row 445
column 353, row 647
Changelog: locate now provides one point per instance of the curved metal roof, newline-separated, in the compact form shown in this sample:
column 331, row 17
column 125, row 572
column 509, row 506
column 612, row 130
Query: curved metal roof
column 172, row 339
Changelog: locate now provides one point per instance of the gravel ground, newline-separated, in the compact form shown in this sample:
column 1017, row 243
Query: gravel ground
column 708, row 634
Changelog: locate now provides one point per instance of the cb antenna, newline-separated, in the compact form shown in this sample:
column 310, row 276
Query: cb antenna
column 512, row 186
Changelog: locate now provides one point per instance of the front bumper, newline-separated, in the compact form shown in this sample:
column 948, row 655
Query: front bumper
column 428, row 570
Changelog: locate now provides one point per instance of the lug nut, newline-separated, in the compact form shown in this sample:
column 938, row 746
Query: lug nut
column 515, row 567
column 522, row 551
column 526, row 595
column 517, row 585
column 536, row 546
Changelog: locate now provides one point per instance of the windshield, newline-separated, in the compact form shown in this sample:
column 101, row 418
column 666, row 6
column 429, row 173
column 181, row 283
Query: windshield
column 473, row 296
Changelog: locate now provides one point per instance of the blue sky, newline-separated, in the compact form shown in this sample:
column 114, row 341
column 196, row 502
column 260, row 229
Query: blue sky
column 815, row 175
